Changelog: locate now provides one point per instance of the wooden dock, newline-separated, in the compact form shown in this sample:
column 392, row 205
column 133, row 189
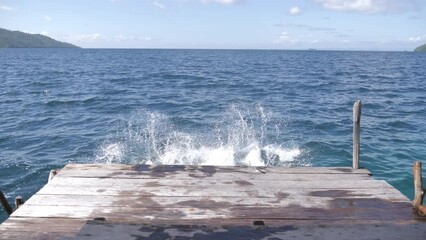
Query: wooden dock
column 208, row 202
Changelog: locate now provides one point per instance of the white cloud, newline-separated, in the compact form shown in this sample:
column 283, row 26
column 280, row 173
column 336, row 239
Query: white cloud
column 146, row 39
column 96, row 39
column 159, row 5
column 47, row 18
column 120, row 38
column 417, row 39
column 45, row 33
column 225, row 2
column 5, row 8
column 294, row 11
column 286, row 38
column 91, row 37
column 369, row 6
column 307, row 27
column 84, row 38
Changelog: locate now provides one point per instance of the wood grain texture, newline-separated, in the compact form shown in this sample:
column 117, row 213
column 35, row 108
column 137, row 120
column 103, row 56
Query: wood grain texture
column 206, row 195
column 418, row 184
column 356, row 133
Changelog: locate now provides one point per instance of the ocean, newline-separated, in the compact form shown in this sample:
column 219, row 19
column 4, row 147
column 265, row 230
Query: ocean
column 211, row 107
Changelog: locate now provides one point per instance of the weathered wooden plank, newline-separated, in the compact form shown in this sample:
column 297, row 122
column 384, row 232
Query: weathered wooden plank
column 40, row 228
column 217, row 176
column 239, row 196
column 152, row 191
column 294, row 199
column 73, row 224
column 137, row 184
column 138, row 214
column 268, row 222
column 60, row 228
column 52, row 225
column 213, row 191
column 285, row 231
column 35, row 236
column 170, row 169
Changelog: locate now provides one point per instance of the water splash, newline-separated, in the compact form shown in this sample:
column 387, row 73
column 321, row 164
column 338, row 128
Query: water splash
column 242, row 137
column 110, row 153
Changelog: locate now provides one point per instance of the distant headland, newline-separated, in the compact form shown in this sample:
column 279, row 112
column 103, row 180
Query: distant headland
column 17, row 39
column 421, row 48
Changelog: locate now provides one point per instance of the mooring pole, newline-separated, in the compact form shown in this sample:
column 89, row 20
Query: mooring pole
column 19, row 200
column 5, row 204
column 52, row 174
column 419, row 192
column 356, row 135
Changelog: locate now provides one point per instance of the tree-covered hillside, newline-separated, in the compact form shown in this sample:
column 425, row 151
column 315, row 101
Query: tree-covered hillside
column 421, row 48
column 16, row 39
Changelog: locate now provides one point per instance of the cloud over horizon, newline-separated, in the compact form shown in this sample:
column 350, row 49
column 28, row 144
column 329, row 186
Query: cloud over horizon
column 329, row 24
column 5, row 8
column 224, row 2
column 285, row 38
column 84, row 38
column 416, row 39
column 369, row 6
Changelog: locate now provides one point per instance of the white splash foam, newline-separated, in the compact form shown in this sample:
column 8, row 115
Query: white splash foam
column 111, row 153
column 240, row 140
column 285, row 155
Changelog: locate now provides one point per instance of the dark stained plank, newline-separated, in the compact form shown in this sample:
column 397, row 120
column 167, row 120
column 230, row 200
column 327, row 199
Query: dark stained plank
column 230, row 229
column 100, row 231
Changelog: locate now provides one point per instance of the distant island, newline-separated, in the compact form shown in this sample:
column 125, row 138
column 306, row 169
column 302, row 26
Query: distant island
column 17, row 39
column 421, row 48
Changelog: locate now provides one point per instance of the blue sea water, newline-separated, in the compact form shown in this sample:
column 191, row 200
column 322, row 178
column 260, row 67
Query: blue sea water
column 217, row 107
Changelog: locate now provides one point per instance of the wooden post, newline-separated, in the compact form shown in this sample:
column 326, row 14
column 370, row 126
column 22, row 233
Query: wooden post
column 18, row 202
column 52, row 174
column 5, row 204
column 356, row 135
column 418, row 186
column 422, row 210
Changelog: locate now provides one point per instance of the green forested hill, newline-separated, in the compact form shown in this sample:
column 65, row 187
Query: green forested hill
column 421, row 48
column 16, row 39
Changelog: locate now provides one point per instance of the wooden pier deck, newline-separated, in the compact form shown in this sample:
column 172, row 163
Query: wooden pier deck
column 208, row 202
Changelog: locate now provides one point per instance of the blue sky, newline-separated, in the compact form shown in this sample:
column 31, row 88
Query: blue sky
column 233, row 24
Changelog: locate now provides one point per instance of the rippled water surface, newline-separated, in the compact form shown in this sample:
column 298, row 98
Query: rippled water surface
column 215, row 107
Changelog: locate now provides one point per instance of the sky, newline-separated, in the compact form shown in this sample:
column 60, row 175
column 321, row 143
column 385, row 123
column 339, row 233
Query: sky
column 390, row 25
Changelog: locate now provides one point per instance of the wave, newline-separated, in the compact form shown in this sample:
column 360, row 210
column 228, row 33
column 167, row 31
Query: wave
column 71, row 101
column 240, row 138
